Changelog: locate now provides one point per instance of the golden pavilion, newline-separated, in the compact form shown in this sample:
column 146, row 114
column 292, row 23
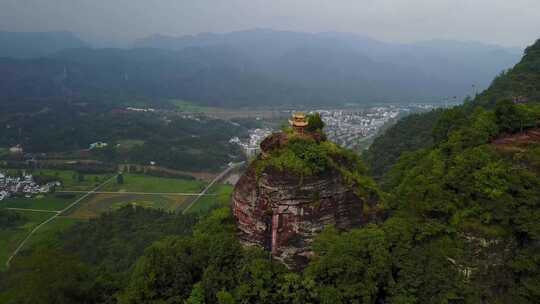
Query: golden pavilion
column 298, row 122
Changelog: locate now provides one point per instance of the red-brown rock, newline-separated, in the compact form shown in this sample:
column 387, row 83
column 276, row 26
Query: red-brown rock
column 282, row 212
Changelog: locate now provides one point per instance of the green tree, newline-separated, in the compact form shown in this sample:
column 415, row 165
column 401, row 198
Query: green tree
column 49, row 276
column 295, row 289
column 197, row 295
column 166, row 273
column 515, row 118
column 120, row 179
column 225, row 297
column 315, row 122
column 351, row 267
column 259, row 278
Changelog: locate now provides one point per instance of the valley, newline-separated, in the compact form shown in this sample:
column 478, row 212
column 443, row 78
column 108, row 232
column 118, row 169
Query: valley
column 276, row 152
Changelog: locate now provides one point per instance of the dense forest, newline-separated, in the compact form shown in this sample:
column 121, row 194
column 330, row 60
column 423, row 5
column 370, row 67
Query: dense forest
column 411, row 133
column 463, row 226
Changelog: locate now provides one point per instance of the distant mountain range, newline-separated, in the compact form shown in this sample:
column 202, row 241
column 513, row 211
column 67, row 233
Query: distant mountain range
column 257, row 67
column 31, row 45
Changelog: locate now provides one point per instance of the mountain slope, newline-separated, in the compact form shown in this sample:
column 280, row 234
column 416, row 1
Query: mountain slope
column 471, row 199
column 247, row 68
column 217, row 75
column 520, row 83
column 458, row 64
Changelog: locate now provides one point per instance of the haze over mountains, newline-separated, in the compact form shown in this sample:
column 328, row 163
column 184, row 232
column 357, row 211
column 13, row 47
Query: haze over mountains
column 248, row 68
column 29, row 45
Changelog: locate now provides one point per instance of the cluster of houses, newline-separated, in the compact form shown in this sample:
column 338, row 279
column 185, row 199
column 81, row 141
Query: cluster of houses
column 24, row 186
column 349, row 128
column 251, row 146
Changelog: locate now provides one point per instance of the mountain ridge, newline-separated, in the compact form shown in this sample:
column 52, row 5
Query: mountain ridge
column 25, row 45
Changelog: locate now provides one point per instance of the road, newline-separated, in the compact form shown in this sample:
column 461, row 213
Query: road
column 139, row 193
column 35, row 210
column 58, row 213
column 220, row 176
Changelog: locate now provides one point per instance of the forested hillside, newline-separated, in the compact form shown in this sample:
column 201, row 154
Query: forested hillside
column 251, row 68
column 519, row 84
column 217, row 76
column 411, row 133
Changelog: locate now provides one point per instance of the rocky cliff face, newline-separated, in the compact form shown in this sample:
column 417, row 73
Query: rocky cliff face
column 283, row 212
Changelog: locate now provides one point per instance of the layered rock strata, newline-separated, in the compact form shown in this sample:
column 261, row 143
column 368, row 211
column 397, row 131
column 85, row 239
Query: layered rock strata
column 282, row 212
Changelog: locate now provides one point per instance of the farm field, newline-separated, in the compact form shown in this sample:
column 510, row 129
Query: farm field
column 151, row 184
column 127, row 144
column 186, row 106
column 52, row 202
column 97, row 204
column 11, row 237
column 222, row 197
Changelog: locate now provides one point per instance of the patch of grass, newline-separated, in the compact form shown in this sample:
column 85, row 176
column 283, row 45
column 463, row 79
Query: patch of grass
column 151, row 184
column 47, row 234
column 4, row 152
column 127, row 144
column 206, row 203
column 52, row 201
column 11, row 237
column 97, row 204
column 186, row 106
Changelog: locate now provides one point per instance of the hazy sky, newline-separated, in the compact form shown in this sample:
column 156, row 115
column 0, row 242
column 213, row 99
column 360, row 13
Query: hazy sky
column 504, row 22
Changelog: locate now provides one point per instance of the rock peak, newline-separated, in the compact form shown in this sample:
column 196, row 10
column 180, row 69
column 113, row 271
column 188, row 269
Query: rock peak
column 297, row 186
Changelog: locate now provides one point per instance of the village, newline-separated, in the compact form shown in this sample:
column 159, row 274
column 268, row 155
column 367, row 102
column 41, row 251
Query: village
column 348, row 128
column 23, row 186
